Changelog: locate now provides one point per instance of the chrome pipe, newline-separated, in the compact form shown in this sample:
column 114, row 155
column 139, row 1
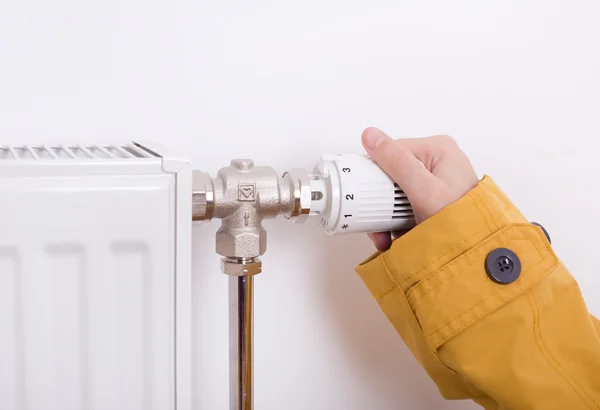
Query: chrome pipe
column 241, row 329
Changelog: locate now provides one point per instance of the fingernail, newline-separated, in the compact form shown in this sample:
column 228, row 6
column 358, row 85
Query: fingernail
column 373, row 137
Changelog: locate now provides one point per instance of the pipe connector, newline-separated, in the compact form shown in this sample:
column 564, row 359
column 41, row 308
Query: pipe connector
column 242, row 196
column 297, row 184
column 203, row 197
column 241, row 267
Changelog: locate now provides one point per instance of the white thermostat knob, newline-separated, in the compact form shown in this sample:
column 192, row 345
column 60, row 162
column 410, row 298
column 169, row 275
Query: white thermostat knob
column 351, row 193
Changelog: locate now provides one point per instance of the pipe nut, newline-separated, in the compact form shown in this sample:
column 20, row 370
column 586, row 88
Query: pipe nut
column 300, row 195
column 245, row 243
column 241, row 267
column 203, row 197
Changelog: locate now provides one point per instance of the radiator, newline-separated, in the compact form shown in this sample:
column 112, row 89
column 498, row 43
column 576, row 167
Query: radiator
column 95, row 278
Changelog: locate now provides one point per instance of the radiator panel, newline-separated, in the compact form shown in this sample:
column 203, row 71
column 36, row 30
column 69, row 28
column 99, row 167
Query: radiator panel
column 87, row 292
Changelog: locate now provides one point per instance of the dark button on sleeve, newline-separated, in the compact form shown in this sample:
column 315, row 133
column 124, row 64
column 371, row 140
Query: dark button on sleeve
column 544, row 230
column 503, row 266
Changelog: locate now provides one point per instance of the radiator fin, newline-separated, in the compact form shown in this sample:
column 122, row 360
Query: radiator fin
column 78, row 152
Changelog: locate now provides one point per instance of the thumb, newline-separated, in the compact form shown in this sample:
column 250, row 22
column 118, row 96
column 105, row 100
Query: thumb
column 401, row 164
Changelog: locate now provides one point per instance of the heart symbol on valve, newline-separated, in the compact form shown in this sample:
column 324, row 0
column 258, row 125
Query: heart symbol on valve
column 247, row 192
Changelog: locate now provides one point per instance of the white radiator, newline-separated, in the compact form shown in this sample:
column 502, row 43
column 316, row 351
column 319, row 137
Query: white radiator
column 95, row 278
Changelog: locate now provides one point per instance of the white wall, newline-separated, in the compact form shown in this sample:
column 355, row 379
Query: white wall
column 515, row 82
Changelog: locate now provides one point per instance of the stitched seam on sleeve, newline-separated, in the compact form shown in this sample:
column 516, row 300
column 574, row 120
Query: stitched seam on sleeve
column 550, row 269
column 433, row 351
column 483, row 215
column 449, row 265
column 485, row 205
column 543, row 351
column 391, row 277
column 494, row 293
column 398, row 289
column 386, row 292
column 451, row 250
column 459, row 260
column 509, row 295
column 489, row 220
column 564, row 372
column 412, row 275
column 473, row 198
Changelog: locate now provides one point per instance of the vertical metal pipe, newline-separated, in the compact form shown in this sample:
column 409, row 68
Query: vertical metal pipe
column 240, row 342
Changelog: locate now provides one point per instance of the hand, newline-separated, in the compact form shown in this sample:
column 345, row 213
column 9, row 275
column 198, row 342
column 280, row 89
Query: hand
column 433, row 172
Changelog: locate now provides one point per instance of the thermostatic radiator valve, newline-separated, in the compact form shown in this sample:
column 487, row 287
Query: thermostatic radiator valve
column 346, row 193
column 350, row 193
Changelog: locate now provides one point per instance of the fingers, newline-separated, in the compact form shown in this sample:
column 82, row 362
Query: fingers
column 397, row 158
column 381, row 240
column 430, row 150
column 433, row 172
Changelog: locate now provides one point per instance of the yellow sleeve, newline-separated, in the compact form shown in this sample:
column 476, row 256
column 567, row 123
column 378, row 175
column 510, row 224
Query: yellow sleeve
column 528, row 344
